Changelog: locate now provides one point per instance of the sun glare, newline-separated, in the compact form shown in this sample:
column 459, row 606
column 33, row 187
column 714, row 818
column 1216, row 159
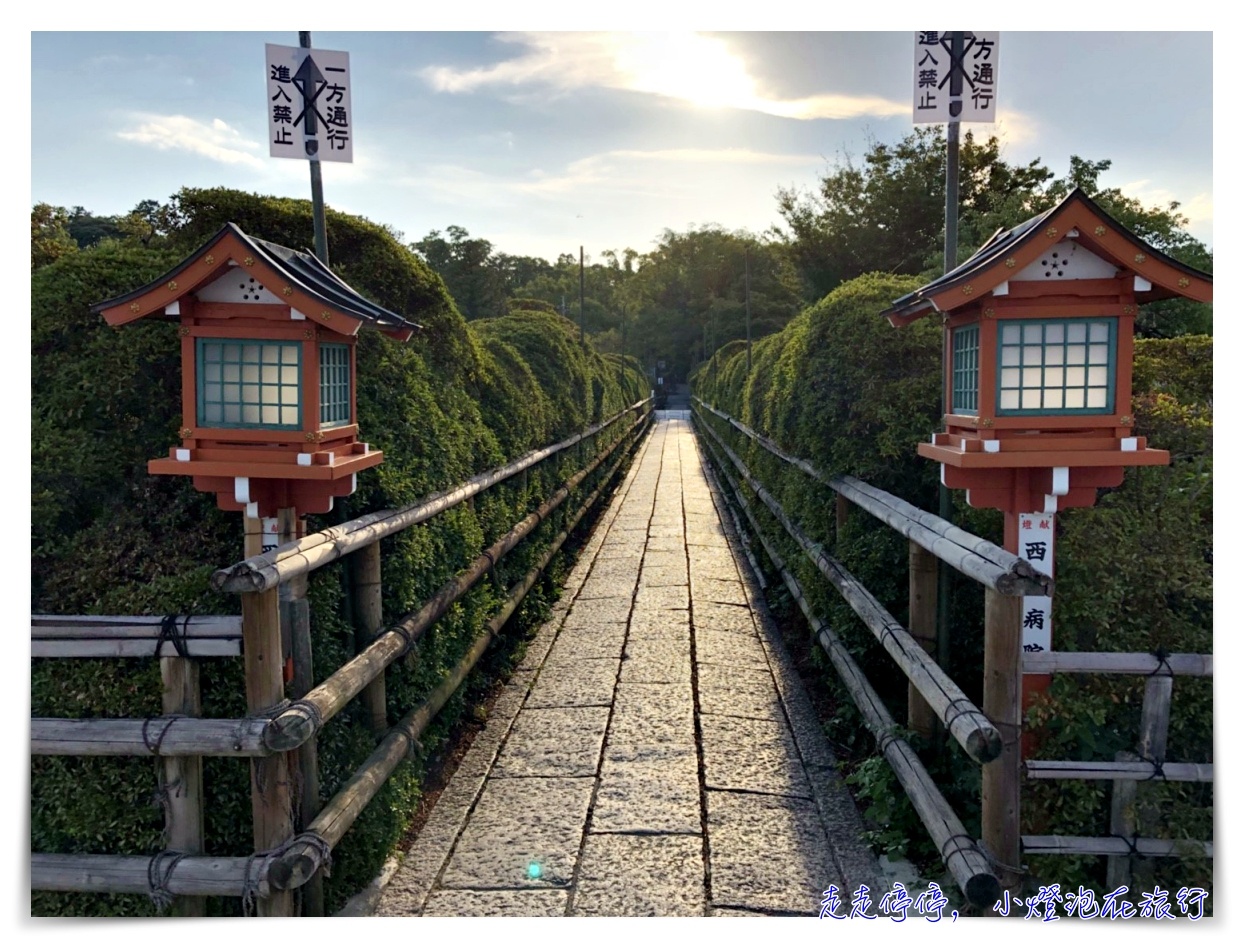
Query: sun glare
column 687, row 66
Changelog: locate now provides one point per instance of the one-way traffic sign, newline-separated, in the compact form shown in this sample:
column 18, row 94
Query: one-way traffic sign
column 309, row 114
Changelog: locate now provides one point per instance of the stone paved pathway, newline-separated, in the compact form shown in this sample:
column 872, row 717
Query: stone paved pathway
column 655, row 753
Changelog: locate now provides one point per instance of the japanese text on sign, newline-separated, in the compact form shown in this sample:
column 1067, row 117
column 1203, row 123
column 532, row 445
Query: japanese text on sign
column 309, row 113
column 1036, row 546
column 955, row 90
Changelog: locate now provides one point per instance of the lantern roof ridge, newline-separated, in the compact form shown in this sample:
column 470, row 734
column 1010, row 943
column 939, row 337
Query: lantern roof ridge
column 982, row 272
column 302, row 269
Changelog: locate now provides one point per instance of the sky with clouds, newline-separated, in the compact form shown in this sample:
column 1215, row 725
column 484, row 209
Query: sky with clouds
column 542, row 141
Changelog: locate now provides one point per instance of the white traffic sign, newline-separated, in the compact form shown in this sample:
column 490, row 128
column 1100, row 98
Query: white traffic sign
column 955, row 91
column 309, row 114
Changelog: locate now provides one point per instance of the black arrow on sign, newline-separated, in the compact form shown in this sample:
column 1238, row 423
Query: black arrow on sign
column 311, row 83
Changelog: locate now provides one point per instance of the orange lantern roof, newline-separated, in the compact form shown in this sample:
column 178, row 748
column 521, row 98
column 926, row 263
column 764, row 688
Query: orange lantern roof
column 282, row 276
column 1009, row 255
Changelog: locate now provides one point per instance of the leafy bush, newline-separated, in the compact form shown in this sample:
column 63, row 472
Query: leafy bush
column 841, row 388
column 109, row 539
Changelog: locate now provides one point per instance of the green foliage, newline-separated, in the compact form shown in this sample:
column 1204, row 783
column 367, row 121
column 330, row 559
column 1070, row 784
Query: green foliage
column 888, row 214
column 109, row 539
column 841, row 388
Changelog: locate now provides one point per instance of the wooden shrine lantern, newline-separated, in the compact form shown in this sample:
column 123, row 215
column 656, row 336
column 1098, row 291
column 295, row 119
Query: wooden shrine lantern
column 269, row 416
column 1040, row 326
column 1039, row 337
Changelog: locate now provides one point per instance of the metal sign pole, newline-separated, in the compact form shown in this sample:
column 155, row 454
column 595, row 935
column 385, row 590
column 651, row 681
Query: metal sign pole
column 945, row 504
column 746, row 262
column 581, row 318
column 317, row 181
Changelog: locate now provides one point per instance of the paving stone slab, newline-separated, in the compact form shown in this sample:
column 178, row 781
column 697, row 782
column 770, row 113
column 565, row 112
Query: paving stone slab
column 614, row 570
column 655, row 558
column 653, row 713
column 518, row 822
column 721, row 591
column 660, row 623
column 732, row 650
column 467, row 903
column 587, row 683
column 560, row 741
column 586, row 642
column 598, row 610
column 641, row 876
column 715, row 616
column 662, row 596
column 753, row 755
column 648, row 788
column 652, row 575
column 745, row 833
column 608, row 587
column 657, row 660
column 667, row 544
column 738, row 692
column 621, row 549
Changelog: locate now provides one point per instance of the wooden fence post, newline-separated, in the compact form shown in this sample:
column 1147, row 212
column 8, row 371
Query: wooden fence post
column 183, row 775
column 1000, row 779
column 368, row 623
column 923, row 628
column 1127, row 817
column 270, row 800
column 296, row 619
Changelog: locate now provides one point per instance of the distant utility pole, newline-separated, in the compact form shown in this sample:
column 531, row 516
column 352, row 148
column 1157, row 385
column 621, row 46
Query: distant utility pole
column 746, row 262
column 317, row 182
column 582, row 319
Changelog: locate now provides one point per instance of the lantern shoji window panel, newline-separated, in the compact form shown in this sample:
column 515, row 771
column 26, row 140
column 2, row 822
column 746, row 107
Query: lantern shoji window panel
column 249, row 384
column 1057, row 366
column 966, row 399
column 334, row 384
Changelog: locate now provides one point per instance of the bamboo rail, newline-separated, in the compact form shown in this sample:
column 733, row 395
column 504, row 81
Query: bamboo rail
column 1140, row 770
column 970, row 867
column 985, row 562
column 267, row 571
column 303, row 856
column 156, row 736
column 200, row 875
column 1085, row 845
column 973, row 731
column 104, row 636
column 182, row 738
column 299, row 722
column 1110, row 662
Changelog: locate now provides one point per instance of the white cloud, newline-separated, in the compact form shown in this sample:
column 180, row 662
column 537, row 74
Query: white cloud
column 1198, row 210
column 216, row 139
column 686, row 66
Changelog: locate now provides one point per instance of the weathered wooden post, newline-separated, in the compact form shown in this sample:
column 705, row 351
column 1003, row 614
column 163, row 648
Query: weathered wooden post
column 923, row 627
column 1000, row 779
column 368, row 623
column 1040, row 323
column 183, row 775
column 269, row 425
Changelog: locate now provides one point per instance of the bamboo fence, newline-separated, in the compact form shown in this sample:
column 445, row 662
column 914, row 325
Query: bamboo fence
column 293, row 838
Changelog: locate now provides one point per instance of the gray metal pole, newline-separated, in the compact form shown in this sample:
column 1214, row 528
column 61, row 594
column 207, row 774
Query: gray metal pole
column 582, row 319
column 317, row 185
column 945, row 506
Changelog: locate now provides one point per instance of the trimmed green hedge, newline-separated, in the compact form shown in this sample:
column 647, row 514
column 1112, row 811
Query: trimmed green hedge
column 843, row 389
column 108, row 538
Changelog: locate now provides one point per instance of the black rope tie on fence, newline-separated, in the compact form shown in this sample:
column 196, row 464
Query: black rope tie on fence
column 960, row 844
column 1132, row 849
column 1158, row 769
column 1016, row 871
column 954, row 711
column 153, row 746
column 170, row 632
column 250, row 882
column 159, row 874
column 1162, row 657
